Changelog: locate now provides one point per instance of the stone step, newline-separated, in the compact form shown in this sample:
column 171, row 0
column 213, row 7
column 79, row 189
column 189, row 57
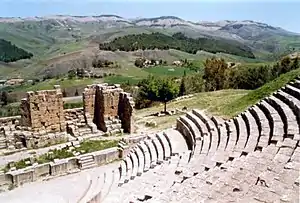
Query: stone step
column 292, row 91
column 86, row 158
column 286, row 113
column 159, row 150
column 185, row 131
column 192, row 127
column 231, row 135
column 135, row 164
column 146, row 156
column 199, row 123
column 165, row 144
column 277, row 127
column 263, row 126
column 86, row 161
column 253, row 137
column 152, row 152
column 88, row 165
column 129, row 166
column 242, row 133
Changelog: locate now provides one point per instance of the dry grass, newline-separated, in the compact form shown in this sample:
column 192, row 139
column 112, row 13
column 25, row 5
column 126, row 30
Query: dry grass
column 213, row 102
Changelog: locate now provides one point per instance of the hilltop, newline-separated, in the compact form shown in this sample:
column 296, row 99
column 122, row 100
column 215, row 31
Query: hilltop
column 62, row 42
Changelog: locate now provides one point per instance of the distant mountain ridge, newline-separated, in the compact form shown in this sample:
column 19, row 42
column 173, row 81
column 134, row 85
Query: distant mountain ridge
column 163, row 21
column 37, row 34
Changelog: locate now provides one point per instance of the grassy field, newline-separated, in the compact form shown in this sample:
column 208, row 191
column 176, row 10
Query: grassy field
column 213, row 102
column 172, row 71
column 224, row 103
column 254, row 96
column 49, row 84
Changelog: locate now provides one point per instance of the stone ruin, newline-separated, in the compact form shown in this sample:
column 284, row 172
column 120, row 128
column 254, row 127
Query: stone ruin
column 43, row 111
column 43, row 122
column 253, row 157
column 109, row 107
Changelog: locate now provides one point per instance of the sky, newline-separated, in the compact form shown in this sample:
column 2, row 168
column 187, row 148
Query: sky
column 277, row 13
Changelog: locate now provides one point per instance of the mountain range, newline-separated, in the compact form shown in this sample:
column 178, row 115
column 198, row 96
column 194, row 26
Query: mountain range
column 49, row 36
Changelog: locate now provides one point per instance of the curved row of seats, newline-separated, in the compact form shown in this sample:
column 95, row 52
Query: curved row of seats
column 245, row 148
column 150, row 153
column 264, row 138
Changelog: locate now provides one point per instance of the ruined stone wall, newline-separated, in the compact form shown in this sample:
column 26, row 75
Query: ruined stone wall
column 43, row 111
column 9, row 126
column 125, row 112
column 111, row 98
column 88, row 97
column 107, row 107
column 76, row 123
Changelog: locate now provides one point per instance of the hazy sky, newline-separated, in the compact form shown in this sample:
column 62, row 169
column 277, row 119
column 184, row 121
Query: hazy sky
column 284, row 13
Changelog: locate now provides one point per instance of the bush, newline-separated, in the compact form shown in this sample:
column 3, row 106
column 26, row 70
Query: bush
column 96, row 145
column 73, row 105
column 10, row 110
column 55, row 154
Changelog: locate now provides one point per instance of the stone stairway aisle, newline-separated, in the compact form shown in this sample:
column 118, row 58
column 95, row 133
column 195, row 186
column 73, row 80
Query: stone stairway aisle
column 2, row 143
column 114, row 126
column 87, row 161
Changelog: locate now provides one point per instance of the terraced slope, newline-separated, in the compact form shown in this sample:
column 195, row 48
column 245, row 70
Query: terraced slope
column 253, row 157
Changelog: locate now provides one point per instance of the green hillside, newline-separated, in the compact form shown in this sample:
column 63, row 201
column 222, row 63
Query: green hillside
column 255, row 95
column 177, row 41
column 11, row 53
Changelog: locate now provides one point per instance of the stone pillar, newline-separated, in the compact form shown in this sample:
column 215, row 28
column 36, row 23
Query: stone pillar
column 126, row 108
column 88, row 97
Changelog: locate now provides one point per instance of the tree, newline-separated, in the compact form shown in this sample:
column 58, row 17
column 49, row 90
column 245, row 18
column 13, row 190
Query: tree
column 76, row 93
column 295, row 64
column 156, row 89
column 4, row 98
column 167, row 90
column 285, row 64
column 214, row 74
column 182, row 88
column 139, row 62
column 71, row 74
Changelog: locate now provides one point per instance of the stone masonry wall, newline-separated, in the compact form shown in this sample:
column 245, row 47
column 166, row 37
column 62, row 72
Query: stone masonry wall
column 106, row 106
column 125, row 112
column 88, row 97
column 43, row 111
column 102, row 106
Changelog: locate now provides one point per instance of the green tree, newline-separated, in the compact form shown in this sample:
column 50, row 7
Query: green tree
column 167, row 90
column 139, row 62
column 285, row 64
column 295, row 64
column 214, row 74
column 182, row 88
column 156, row 89
column 71, row 74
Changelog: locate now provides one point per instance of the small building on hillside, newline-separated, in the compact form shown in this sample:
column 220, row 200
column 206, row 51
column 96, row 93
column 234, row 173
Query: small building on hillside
column 15, row 81
column 177, row 63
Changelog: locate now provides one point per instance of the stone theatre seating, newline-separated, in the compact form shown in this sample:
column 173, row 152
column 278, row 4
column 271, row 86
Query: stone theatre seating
column 253, row 157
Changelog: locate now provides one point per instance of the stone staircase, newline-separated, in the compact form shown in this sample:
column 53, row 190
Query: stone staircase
column 86, row 161
column 2, row 143
column 113, row 126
